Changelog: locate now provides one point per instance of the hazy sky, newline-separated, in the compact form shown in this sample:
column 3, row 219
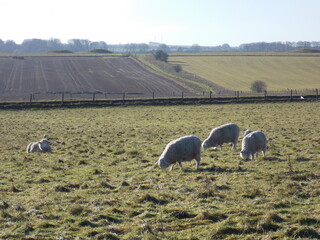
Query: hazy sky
column 180, row 22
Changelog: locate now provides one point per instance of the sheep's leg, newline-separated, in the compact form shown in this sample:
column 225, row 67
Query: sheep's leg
column 40, row 148
column 234, row 146
column 252, row 156
column 264, row 151
column 221, row 147
column 198, row 161
column 180, row 165
column 172, row 165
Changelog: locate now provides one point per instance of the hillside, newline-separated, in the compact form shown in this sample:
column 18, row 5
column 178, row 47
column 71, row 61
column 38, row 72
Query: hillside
column 237, row 72
column 21, row 76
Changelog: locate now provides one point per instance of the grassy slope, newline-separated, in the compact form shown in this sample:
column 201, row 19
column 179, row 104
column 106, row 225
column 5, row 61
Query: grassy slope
column 238, row 72
column 166, row 70
column 100, row 182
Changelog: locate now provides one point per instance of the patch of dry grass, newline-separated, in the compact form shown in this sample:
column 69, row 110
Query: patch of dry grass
column 100, row 181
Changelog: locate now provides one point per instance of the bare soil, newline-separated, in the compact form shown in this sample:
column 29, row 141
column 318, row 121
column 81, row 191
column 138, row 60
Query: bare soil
column 23, row 76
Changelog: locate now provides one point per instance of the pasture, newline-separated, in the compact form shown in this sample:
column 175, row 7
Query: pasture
column 100, row 181
column 237, row 72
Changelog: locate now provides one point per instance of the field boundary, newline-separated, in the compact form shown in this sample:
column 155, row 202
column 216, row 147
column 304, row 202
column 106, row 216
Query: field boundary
column 153, row 102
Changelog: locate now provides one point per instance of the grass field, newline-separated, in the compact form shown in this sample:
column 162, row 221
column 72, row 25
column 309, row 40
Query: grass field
column 238, row 72
column 100, row 181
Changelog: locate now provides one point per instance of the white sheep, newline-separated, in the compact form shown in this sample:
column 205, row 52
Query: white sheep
column 42, row 146
column 246, row 132
column 227, row 133
column 180, row 150
column 253, row 143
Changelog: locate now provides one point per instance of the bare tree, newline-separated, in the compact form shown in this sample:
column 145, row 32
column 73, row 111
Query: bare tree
column 258, row 86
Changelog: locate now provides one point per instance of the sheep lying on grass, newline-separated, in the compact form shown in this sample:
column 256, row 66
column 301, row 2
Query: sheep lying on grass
column 42, row 146
column 181, row 150
column 227, row 133
column 253, row 143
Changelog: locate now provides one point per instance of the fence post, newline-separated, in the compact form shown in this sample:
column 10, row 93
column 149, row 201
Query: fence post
column 123, row 97
column 182, row 96
column 265, row 94
column 291, row 95
column 31, row 98
column 210, row 95
column 317, row 93
column 93, row 97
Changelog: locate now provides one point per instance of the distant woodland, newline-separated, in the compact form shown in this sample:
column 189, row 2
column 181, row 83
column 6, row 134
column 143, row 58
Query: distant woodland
column 83, row 45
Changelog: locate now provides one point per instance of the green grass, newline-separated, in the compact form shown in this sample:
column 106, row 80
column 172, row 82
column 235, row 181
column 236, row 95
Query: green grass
column 100, row 182
column 238, row 72
column 166, row 70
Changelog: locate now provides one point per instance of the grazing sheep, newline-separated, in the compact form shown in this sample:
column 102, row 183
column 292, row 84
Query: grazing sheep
column 223, row 134
column 180, row 150
column 246, row 132
column 42, row 146
column 253, row 143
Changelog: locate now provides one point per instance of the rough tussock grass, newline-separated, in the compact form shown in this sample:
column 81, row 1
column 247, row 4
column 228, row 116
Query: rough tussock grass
column 100, row 181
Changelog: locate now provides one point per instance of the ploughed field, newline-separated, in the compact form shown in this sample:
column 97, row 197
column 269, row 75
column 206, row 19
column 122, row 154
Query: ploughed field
column 100, row 181
column 20, row 77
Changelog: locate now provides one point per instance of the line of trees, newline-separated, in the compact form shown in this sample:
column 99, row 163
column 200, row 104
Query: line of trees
column 279, row 46
column 79, row 45
column 36, row 45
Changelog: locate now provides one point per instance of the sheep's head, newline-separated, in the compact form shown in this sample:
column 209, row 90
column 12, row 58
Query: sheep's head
column 245, row 155
column 246, row 132
column 45, row 145
column 205, row 144
column 163, row 163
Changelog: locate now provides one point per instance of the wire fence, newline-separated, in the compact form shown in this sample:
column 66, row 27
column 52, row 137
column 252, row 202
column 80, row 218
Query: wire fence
column 98, row 96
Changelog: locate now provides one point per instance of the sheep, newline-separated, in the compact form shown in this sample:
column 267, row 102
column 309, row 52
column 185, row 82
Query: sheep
column 223, row 134
column 180, row 150
column 252, row 143
column 246, row 132
column 42, row 146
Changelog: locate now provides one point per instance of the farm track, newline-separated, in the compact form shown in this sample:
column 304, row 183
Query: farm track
column 80, row 74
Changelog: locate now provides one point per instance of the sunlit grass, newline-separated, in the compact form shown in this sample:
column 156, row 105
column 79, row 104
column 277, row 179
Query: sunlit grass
column 239, row 72
column 100, row 182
